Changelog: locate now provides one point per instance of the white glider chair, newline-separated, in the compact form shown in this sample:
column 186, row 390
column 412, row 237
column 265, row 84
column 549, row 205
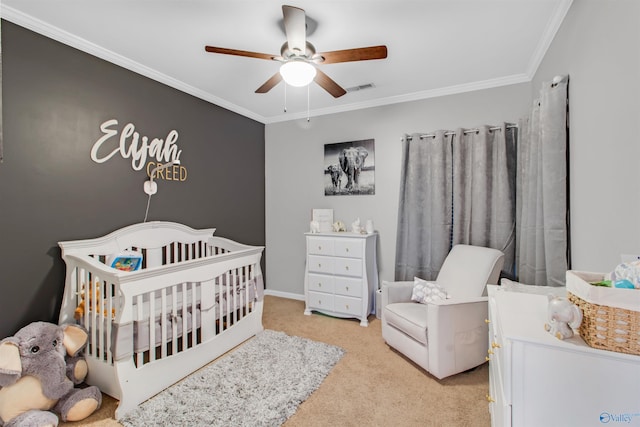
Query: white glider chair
column 444, row 336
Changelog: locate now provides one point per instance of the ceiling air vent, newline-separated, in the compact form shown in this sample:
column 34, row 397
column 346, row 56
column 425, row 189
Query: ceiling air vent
column 360, row 87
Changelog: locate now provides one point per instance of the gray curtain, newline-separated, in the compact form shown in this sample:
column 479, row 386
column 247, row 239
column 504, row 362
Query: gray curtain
column 484, row 190
column 424, row 215
column 542, row 251
column 456, row 187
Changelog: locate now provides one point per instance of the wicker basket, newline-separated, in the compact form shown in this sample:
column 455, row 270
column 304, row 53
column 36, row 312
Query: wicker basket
column 609, row 328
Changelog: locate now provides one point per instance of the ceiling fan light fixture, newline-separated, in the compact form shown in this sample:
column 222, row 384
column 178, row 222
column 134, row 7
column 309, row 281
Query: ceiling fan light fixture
column 297, row 73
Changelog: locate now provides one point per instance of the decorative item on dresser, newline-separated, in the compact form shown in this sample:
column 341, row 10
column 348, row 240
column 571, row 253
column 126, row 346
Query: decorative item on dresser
column 536, row 379
column 341, row 275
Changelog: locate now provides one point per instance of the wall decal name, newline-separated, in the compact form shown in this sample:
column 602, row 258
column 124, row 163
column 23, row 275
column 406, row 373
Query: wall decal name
column 130, row 144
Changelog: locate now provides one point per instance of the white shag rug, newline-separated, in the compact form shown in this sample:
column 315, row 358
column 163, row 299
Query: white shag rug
column 261, row 383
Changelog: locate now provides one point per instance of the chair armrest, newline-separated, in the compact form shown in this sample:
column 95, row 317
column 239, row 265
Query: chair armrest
column 460, row 332
column 393, row 292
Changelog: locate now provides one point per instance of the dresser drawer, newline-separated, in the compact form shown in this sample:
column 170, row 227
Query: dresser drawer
column 321, row 301
column 321, row 283
column 348, row 287
column 321, row 264
column 320, row 246
column 347, row 305
column 348, row 267
column 348, row 248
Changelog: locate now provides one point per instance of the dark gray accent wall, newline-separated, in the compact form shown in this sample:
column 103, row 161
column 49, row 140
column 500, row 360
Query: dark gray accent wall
column 54, row 100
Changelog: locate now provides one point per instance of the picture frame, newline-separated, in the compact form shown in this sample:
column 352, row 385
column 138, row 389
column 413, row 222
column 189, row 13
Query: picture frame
column 323, row 218
column 349, row 168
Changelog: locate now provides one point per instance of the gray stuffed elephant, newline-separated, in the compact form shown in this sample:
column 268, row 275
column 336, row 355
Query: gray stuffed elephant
column 39, row 368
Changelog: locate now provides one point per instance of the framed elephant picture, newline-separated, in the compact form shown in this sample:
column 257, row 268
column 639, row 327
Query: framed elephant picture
column 349, row 168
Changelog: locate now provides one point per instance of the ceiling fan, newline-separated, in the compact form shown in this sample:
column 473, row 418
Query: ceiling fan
column 299, row 57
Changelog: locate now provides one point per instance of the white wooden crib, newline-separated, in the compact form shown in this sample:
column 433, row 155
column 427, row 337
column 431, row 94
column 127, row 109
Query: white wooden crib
column 195, row 297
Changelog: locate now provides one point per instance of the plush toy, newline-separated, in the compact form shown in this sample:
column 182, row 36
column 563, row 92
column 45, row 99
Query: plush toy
column 562, row 316
column 79, row 311
column 39, row 368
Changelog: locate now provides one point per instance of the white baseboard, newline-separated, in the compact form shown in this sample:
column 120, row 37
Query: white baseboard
column 281, row 294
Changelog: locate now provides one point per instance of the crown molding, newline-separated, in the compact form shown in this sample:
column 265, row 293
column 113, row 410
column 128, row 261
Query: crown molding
column 547, row 38
column 413, row 96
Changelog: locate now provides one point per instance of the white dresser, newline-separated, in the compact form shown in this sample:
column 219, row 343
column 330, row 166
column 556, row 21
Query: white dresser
column 538, row 380
column 341, row 274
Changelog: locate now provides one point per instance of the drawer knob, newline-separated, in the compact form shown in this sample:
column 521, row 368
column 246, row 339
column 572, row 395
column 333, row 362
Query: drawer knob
column 495, row 345
column 319, row 285
column 347, row 249
column 347, row 306
column 319, row 247
column 487, row 321
column 319, row 265
column 319, row 302
column 347, row 288
column 490, row 399
column 347, row 268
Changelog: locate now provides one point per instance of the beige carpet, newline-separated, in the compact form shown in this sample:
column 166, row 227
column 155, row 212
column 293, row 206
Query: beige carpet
column 372, row 385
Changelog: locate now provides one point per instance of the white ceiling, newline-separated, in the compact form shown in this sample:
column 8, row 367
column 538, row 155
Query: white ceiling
column 435, row 47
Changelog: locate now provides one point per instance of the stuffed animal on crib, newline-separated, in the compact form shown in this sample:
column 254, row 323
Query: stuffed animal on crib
column 39, row 368
column 79, row 311
column 563, row 316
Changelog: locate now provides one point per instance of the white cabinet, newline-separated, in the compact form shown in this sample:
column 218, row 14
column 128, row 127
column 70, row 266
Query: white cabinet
column 341, row 274
column 536, row 379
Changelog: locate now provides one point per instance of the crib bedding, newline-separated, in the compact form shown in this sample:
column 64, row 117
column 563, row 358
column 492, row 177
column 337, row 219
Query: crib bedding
column 136, row 336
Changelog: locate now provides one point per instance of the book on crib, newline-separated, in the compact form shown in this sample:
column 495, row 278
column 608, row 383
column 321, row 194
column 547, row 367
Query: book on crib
column 125, row 261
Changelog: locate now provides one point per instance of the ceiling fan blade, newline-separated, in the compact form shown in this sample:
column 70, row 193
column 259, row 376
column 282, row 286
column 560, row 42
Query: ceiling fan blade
column 296, row 28
column 225, row 51
column 359, row 54
column 269, row 84
column 329, row 85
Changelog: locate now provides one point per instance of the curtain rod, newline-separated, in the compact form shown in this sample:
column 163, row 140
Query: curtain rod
column 466, row 131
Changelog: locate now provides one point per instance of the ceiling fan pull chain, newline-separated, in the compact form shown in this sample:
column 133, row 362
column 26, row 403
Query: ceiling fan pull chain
column 285, row 97
column 308, row 103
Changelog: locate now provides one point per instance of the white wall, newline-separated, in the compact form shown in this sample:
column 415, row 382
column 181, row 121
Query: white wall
column 294, row 171
column 598, row 45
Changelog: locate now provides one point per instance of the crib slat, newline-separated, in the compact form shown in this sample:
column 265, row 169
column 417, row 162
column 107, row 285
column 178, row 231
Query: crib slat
column 174, row 319
column 163, row 323
column 234, row 295
column 109, row 295
column 244, row 285
column 86, row 290
column 98, row 306
column 194, row 320
column 250, row 282
column 89, row 304
column 152, row 326
column 185, row 325
column 138, row 316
